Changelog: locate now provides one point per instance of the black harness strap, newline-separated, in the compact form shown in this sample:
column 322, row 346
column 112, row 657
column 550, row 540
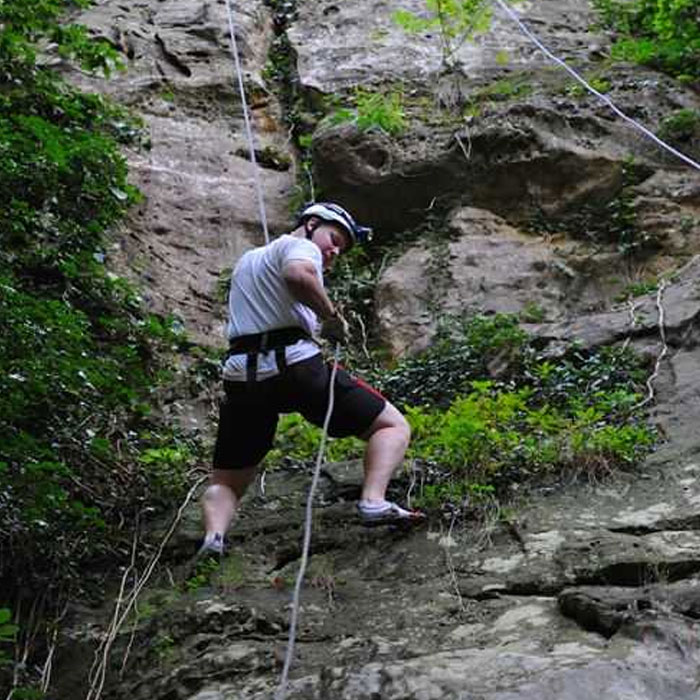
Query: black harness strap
column 251, row 367
column 258, row 343
column 281, row 359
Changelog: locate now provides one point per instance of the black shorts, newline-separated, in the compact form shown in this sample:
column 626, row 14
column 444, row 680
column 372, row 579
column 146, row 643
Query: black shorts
column 249, row 412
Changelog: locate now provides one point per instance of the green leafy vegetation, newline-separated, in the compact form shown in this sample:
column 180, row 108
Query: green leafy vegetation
column 458, row 354
column 504, row 89
column 80, row 361
column 663, row 34
column 598, row 82
column 681, row 125
column 373, row 110
column 501, row 90
column 456, row 22
column 638, row 289
column 231, row 573
column 488, row 412
column 163, row 648
column 298, row 441
column 352, row 282
column 8, row 632
column 682, row 130
column 301, row 115
column 532, row 313
column 202, row 575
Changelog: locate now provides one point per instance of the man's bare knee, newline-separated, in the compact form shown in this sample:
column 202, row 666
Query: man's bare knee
column 393, row 419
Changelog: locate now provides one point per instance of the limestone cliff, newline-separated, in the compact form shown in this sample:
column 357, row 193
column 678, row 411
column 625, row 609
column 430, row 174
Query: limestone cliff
column 593, row 591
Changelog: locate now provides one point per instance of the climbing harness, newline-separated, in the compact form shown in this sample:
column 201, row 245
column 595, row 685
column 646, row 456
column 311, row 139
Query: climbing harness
column 260, row 343
column 265, row 340
column 640, row 127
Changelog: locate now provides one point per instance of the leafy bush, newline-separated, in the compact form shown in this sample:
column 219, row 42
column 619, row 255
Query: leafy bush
column 377, row 110
column 457, row 21
column 681, row 125
column 682, row 129
column 493, row 438
column 476, row 435
column 487, row 411
column 80, row 361
column 298, row 442
column 459, row 353
column 374, row 110
column 663, row 34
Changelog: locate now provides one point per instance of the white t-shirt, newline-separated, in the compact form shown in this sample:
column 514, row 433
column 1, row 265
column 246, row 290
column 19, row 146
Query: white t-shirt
column 260, row 301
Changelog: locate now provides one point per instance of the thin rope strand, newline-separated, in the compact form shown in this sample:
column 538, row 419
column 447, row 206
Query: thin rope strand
column 282, row 689
column 664, row 349
column 98, row 671
column 650, row 134
column 246, row 119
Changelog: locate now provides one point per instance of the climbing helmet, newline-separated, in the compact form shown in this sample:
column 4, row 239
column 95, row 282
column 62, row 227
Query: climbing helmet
column 329, row 211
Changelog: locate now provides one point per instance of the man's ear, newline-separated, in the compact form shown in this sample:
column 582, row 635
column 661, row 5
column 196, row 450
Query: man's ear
column 310, row 225
column 348, row 239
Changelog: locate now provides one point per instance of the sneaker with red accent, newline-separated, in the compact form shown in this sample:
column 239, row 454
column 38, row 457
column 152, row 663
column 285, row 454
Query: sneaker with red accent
column 374, row 513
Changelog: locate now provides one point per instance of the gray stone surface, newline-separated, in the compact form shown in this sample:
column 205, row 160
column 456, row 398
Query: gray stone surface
column 200, row 209
column 345, row 44
column 590, row 589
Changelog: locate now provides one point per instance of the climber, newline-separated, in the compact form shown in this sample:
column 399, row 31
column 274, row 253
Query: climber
column 274, row 366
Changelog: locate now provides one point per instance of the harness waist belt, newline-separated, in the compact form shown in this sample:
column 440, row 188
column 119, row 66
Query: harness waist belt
column 256, row 343
column 264, row 342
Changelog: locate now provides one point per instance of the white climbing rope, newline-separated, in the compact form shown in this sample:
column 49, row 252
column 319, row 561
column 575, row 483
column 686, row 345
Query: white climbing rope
column 246, row 120
column 282, row 688
column 664, row 348
column 662, row 333
column 281, row 692
column 649, row 134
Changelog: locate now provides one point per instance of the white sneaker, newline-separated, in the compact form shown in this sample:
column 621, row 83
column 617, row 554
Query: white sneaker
column 211, row 547
column 386, row 513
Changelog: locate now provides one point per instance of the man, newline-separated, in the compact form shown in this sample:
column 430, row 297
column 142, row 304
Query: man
column 277, row 298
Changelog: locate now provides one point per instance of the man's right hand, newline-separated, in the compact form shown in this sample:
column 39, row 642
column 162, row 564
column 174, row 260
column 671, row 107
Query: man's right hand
column 335, row 329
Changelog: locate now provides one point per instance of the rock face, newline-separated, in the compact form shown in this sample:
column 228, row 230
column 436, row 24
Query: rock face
column 591, row 590
column 523, row 142
column 343, row 44
column 486, row 266
column 200, row 209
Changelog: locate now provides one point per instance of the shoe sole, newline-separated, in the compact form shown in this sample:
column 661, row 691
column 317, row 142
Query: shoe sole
column 399, row 522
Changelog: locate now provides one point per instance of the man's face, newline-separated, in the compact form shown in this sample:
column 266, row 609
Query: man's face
column 332, row 240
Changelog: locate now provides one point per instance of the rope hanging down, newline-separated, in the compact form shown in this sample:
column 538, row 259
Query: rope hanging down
column 650, row 134
column 246, row 119
column 281, row 692
column 282, row 688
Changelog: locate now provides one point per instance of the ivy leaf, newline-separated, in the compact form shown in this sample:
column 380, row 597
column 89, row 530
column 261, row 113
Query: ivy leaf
column 119, row 195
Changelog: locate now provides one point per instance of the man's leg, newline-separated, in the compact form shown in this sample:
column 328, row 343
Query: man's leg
column 221, row 501
column 387, row 440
